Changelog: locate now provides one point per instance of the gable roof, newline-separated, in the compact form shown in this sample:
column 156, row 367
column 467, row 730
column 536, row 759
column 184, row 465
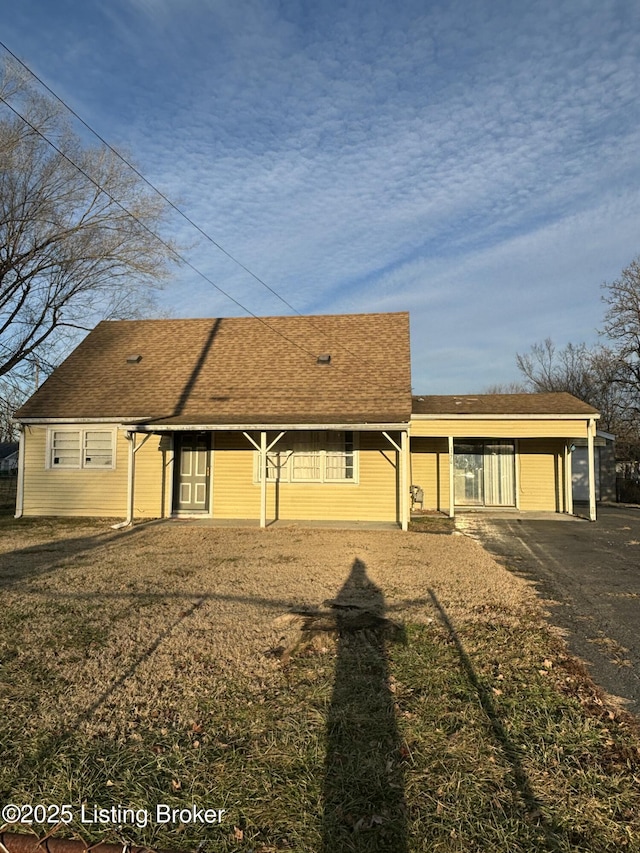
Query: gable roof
column 235, row 371
column 559, row 403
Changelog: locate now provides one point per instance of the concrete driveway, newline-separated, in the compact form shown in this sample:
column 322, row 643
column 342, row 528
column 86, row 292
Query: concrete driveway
column 590, row 575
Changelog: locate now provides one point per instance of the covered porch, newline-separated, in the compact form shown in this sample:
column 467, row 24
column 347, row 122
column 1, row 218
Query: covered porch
column 324, row 474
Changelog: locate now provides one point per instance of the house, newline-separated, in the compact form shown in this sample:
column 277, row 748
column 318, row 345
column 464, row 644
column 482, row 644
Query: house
column 8, row 458
column 605, row 468
column 258, row 418
column 280, row 418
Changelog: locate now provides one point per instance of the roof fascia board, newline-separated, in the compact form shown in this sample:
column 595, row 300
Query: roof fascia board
column 112, row 420
column 367, row 427
column 491, row 417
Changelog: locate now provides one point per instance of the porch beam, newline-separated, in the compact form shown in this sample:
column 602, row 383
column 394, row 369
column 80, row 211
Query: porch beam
column 392, row 442
column 591, row 434
column 451, row 478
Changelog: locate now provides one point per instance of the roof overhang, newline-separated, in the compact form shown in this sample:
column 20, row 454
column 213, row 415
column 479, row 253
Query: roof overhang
column 505, row 417
column 147, row 425
column 355, row 427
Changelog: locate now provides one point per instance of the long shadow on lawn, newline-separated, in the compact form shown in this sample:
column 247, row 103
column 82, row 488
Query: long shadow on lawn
column 33, row 561
column 364, row 806
column 510, row 751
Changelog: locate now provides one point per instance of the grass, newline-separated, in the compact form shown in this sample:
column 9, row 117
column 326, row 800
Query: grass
column 459, row 732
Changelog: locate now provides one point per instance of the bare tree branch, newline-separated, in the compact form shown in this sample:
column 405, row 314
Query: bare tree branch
column 73, row 249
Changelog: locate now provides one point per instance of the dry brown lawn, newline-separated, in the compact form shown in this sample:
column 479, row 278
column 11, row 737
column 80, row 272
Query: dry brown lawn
column 332, row 689
column 177, row 611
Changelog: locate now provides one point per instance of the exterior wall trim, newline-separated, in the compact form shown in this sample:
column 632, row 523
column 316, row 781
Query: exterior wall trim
column 465, row 416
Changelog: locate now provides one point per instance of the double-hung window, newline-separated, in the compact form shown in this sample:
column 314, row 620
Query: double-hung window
column 321, row 456
column 81, row 448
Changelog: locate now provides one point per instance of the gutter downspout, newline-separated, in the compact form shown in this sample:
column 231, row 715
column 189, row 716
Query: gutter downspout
column 20, row 482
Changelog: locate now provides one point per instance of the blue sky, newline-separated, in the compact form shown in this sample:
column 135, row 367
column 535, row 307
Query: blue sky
column 473, row 162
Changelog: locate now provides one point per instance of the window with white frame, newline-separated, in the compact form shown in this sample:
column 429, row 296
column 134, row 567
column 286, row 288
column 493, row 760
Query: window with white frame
column 321, row 456
column 81, row 448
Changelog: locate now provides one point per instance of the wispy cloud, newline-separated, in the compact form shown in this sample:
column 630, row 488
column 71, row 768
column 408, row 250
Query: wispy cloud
column 476, row 163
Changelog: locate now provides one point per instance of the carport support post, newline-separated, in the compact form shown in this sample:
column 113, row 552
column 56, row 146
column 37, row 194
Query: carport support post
column 591, row 432
column 451, row 480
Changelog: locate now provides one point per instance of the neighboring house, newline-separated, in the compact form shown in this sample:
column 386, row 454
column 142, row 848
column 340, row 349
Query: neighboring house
column 605, row 468
column 301, row 418
column 8, row 458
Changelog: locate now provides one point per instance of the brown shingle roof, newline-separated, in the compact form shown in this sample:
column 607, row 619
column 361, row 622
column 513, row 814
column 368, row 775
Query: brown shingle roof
column 236, row 370
column 502, row 404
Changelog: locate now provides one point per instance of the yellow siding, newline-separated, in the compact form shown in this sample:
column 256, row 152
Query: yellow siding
column 430, row 471
column 234, row 494
column 152, row 493
column 540, row 473
column 72, row 492
column 541, row 477
column 92, row 492
column 500, row 428
column 373, row 498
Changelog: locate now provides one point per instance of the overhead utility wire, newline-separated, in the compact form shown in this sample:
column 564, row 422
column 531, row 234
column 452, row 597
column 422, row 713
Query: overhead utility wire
column 168, row 246
column 174, row 206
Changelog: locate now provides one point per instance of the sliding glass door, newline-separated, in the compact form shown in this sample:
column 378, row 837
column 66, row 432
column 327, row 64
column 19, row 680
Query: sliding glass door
column 484, row 473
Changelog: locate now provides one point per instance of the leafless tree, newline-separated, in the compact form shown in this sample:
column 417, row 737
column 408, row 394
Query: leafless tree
column 622, row 327
column 77, row 230
column 11, row 397
column 545, row 368
column 590, row 373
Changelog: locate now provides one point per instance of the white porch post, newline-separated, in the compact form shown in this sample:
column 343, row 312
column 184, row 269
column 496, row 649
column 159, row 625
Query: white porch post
column 263, row 479
column 20, row 481
column 591, row 432
column 131, row 438
column 451, row 479
column 404, row 478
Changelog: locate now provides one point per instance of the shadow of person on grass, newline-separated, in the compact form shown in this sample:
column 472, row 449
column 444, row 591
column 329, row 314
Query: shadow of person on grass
column 364, row 806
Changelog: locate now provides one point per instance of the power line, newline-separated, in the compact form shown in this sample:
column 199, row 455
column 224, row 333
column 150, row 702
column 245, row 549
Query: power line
column 167, row 245
column 174, row 207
